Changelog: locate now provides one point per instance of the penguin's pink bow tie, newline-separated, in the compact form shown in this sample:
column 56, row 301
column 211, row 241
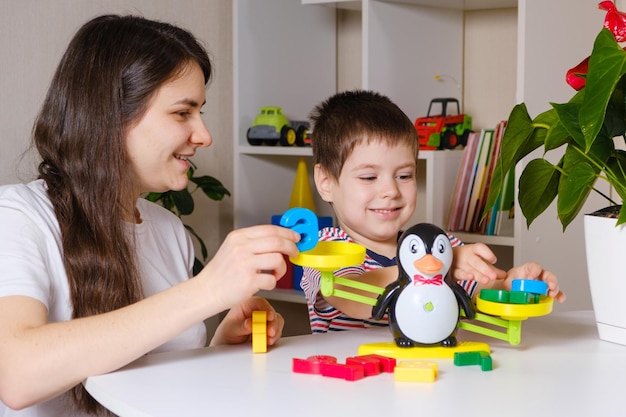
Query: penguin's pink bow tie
column 420, row 280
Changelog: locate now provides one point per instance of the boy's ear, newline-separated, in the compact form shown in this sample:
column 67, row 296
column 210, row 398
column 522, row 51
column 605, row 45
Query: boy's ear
column 323, row 183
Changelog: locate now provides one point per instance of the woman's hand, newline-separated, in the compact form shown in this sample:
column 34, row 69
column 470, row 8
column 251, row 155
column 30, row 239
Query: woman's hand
column 236, row 327
column 249, row 260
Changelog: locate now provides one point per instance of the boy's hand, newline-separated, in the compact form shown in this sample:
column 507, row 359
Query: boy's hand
column 533, row 270
column 475, row 262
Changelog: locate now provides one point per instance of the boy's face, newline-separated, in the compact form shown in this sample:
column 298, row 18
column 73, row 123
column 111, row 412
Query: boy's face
column 375, row 194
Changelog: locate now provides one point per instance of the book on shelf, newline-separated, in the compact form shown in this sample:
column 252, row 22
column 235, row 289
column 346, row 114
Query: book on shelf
column 460, row 193
column 479, row 223
column 472, row 186
column 479, row 178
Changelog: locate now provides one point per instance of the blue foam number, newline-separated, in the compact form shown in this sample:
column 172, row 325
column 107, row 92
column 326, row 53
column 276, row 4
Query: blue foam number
column 302, row 221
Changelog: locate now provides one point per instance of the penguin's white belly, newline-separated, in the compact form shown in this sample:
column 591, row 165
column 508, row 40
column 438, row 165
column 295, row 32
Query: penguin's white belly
column 427, row 313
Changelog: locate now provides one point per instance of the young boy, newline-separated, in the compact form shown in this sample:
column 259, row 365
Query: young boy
column 365, row 158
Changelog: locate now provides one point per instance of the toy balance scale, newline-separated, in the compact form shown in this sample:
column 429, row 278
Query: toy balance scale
column 498, row 308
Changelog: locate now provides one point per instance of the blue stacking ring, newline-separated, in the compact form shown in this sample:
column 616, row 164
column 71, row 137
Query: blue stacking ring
column 530, row 285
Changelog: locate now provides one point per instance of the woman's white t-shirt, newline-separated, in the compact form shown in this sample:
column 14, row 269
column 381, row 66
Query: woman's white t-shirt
column 31, row 265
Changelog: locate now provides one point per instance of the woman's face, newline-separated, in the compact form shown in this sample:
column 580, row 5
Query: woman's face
column 161, row 142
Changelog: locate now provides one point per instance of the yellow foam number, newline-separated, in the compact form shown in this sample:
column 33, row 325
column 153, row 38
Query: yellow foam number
column 415, row 371
column 259, row 331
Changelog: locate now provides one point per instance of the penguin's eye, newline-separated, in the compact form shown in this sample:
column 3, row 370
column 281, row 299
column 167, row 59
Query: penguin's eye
column 414, row 246
column 441, row 244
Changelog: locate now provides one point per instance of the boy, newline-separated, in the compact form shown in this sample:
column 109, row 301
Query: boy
column 365, row 158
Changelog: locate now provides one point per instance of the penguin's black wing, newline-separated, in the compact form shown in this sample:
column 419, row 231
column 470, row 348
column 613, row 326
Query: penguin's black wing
column 383, row 300
column 464, row 300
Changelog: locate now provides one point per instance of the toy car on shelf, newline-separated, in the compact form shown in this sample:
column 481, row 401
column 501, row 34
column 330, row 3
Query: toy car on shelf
column 271, row 126
column 439, row 130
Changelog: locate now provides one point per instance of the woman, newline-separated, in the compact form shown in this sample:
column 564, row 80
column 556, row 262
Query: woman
column 91, row 275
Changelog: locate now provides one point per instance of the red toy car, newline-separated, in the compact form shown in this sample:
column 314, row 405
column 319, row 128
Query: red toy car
column 442, row 131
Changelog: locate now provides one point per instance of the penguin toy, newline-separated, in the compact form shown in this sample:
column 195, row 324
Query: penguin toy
column 424, row 302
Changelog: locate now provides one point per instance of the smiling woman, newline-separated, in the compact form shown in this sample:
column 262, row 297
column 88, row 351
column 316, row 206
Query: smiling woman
column 93, row 267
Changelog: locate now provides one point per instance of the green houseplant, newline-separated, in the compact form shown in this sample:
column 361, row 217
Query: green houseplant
column 589, row 132
column 181, row 203
column 585, row 127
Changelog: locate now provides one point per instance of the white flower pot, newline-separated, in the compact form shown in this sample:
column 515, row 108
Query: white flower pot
column 605, row 246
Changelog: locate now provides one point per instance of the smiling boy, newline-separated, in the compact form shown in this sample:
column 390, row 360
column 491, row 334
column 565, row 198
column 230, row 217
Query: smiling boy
column 365, row 158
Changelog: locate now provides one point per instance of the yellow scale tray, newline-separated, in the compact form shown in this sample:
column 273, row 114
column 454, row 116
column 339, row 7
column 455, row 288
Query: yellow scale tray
column 391, row 350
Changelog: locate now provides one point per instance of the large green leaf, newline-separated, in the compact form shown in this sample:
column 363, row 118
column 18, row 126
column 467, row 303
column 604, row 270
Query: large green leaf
column 616, row 170
column 568, row 117
column 211, row 187
column 607, row 64
column 580, row 171
column 615, row 117
column 538, row 187
column 183, row 201
column 573, row 192
column 520, row 138
column 557, row 136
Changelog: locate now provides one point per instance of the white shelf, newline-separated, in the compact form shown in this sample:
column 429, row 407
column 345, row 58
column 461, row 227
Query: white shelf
column 488, row 240
column 275, row 150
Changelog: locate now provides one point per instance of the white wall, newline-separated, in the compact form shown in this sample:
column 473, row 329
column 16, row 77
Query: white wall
column 489, row 65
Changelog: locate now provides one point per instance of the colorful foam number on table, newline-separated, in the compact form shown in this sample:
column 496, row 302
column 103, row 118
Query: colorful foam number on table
column 373, row 364
column 259, row 331
column 481, row 358
column 530, row 285
column 415, row 371
column 304, row 222
column 312, row 364
column 509, row 297
column 342, row 371
column 327, row 365
column 355, row 368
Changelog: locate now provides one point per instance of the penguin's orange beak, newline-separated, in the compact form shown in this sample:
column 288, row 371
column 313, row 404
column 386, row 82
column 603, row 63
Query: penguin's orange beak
column 428, row 264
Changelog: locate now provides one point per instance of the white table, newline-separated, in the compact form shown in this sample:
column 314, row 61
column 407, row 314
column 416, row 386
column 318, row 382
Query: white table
column 560, row 368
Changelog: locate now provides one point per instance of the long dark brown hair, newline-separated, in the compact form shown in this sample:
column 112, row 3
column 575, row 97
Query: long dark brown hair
column 111, row 69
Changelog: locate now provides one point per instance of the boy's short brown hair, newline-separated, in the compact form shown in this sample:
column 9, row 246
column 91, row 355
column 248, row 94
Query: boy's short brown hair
column 346, row 119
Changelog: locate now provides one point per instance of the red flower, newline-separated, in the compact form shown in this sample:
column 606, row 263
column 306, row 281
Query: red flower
column 615, row 21
column 576, row 76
